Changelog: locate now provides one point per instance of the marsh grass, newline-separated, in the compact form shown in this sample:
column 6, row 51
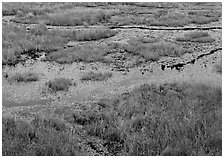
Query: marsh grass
column 96, row 76
column 58, row 84
column 17, row 41
column 41, row 137
column 196, row 36
column 170, row 119
column 24, row 77
column 78, row 17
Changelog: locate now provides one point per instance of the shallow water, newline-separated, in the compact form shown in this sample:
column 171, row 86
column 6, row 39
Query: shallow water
column 9, row 103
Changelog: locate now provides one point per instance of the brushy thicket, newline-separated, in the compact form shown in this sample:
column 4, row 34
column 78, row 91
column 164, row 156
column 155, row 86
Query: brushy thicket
column 196, row 36
column 25, row 77
column 96, row 76
column 169, row 119
column 59, row 84
column 93, row 34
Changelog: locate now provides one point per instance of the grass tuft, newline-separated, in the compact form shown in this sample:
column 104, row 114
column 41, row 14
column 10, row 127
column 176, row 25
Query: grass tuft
column 25, row 77
column 92, row 76
column 59, row 84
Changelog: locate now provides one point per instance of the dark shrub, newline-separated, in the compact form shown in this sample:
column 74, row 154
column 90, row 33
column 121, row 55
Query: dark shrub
column 25, row 77
column 92, row 76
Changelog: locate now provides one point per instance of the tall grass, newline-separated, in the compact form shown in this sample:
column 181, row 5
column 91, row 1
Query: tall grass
column 25, row 77
column 41, row 137
column 92, row 76
column 169, row 119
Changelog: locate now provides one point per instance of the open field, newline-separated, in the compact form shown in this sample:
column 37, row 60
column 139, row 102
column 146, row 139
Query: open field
column 112, row 79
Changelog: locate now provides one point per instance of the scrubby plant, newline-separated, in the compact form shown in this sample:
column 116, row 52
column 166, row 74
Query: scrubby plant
column 93, row 76
column 24, row 77
column 59, row 84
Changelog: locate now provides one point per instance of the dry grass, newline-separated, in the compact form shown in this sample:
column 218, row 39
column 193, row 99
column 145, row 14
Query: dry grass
column 25, row 77
column 59, row 84
column 196, row 36
column 93, row 76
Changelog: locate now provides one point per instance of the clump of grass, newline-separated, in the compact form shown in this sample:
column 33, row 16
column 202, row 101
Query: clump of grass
column 153, row 51
column 86, row 53
column 78, row 17
column 93, row 34
column 59, row 84
column 25, row 77
column 196, row 36
column 40, row 137
column 92, row 76
column 39, row 29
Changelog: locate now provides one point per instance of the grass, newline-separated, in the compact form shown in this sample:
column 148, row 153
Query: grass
column 25, row 77
column 86, row 53
column 93, row 34
column 40, row 137
column 154, row 51
column 59, row 84
column 218, row 67
column 92, row 76
column 169, row 119
column 196, row 36
column 172, row 119
column 17, row 41
column 78, row 16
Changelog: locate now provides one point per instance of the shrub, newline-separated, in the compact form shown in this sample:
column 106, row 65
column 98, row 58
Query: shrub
column 25, row 77
column 59, row 84
column 93, row 34
column 39, row 29
column 218, row 67
column 92, row 76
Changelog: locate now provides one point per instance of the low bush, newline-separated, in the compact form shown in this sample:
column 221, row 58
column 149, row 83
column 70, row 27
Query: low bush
column 93, row 34
column 59, row 84
column 40, row 137
column 25, row 77
column 92, row 76
column 218, row 67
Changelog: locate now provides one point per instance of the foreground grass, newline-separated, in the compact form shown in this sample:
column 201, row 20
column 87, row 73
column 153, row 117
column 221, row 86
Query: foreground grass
column 40, row 137
column 169, row 119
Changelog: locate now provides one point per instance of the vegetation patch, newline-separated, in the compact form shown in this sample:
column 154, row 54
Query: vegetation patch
column 79, row 16
column 59, row 84
column 93, row 34
column 85, row 53
column 93, row 76
column 196, row 36
column 170, row 119
column 17, row 41
column 40, row 137
column 25, row 77
column 218, row 67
